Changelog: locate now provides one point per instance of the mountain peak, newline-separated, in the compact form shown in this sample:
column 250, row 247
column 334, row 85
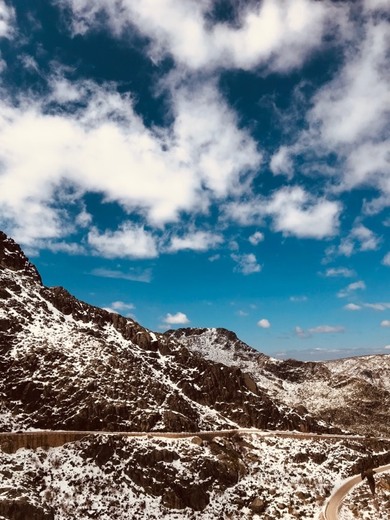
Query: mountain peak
column 12, row 257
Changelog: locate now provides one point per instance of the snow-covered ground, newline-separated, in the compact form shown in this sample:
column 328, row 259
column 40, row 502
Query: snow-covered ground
column 360, row 504
column 113, row 478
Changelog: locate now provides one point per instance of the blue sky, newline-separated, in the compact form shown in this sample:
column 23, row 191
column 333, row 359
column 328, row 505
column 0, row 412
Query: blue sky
column 207, row 163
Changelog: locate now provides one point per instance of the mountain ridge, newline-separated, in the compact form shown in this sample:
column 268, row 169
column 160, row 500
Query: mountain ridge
column 69, row 365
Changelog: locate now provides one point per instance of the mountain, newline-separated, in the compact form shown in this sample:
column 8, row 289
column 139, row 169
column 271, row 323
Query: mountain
column 352, row 393
column 65, row 364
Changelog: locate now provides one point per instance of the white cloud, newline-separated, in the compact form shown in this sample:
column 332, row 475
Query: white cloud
column 367, row 239
column 157, row 174
column 256, row 238
column 264, row 323
column 242, row 313
column 349, row 116
column 130, row 241
column 7, row 20
column 380, row 306
column 296, row 213
column 326, row 329
column 298, row 299
column 293, row 210
column 386, row 259
column 360, row 238
column 71, row 248
column 176, row 319
column 196, row 241
column 246, row 264
column 134, row 275
column 352, row 307
column 121, row 307
column 278, row 33
column 339, row 271
column 282, row 162
column 355, row 286
column 214, row 258
column 320, row 329
column 385, row 323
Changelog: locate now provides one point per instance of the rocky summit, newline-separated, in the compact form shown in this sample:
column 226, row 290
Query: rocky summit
column 351, row 393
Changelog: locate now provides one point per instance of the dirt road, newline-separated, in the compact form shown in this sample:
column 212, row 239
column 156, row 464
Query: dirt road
column 12, row 441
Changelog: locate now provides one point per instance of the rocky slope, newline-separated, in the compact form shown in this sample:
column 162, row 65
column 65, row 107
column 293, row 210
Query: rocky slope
column 352, row 393
column 114, row 478
column 65, row 364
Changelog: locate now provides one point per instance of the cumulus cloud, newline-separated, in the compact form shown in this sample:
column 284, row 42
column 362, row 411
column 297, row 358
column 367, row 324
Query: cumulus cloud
column 386, row 259
column 273, row 33
column 120, row 307
column 264, row 323
column 295, row 213
column 130, row 241
column 256, row 238
column 293, row 210
column 246, row 263
column 352, row 307
column 176, row 319
column 157, row 174
column 349, row 115
column 385, row 323
column 351, row 288
column 196, row 241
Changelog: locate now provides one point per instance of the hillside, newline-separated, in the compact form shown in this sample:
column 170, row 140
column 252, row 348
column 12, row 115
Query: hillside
column 68, row 365
column 352, row 393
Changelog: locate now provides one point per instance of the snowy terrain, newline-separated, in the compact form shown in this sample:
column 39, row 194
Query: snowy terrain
column 118, row 479
column 352, row 393
column 360, row 504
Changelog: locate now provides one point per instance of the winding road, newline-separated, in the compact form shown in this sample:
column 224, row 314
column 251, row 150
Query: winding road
column 335, row 500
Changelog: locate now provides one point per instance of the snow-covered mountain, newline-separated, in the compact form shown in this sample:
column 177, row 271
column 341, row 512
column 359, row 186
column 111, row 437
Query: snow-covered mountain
column 65, row 364
column 352, row 393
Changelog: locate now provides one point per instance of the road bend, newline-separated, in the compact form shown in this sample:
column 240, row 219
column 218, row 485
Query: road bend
column 333, row 505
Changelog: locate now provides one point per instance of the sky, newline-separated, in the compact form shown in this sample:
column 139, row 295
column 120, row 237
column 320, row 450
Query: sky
column 205, row 163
